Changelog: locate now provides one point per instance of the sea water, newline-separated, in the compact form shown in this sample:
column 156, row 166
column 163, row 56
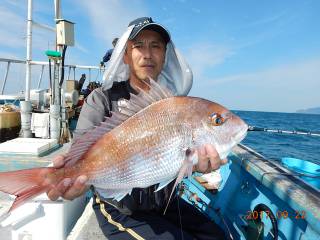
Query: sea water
column 276, row 145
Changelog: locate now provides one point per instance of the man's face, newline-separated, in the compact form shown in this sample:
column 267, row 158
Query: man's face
column 145, row 55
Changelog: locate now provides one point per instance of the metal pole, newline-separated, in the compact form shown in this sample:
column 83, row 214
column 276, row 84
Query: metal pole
column 5, row 78
column 57, row 9
column 69, row 74
column 40, row 78
column 56, row 78
column 26, row 107
column 55, row 107
column 29, row 51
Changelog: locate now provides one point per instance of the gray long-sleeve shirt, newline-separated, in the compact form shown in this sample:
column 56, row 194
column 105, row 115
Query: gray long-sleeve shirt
column 93, row 111
column 97, row 105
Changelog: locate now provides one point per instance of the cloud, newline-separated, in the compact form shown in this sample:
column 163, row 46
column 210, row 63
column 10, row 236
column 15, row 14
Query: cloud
column 81, row 47
column 13, row 32
column 9, row 55
column 12, row 28
column 15, row 3
column 110, row 19
column 273, row 19
column 266, row 28
column 283, row 88
column 298, row 73
column 205, row 56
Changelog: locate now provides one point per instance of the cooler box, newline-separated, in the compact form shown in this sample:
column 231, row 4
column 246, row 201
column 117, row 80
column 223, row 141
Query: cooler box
column 41, row 219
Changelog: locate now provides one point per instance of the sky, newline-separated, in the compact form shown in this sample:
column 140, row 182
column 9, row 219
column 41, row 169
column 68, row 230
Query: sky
column 246, row 55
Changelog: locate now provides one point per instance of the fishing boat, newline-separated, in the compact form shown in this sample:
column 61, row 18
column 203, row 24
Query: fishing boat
column 257, row 198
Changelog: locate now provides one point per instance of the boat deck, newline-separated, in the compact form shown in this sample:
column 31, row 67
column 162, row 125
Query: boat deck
column 87, row 227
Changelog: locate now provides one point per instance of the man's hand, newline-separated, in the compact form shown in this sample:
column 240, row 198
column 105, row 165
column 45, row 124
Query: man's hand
column 208, row 159
column 66, row 188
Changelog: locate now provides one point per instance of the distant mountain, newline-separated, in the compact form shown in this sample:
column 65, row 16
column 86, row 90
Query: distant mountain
column 315, row 110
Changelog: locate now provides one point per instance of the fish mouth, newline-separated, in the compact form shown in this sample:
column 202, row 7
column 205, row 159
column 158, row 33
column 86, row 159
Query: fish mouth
column 241, row 134
column 241, row 130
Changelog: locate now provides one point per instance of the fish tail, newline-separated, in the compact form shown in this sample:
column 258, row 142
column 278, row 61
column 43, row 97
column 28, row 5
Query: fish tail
column 26, row 184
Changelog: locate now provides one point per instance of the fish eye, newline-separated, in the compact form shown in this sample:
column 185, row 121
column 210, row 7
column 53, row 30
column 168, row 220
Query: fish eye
column 216, row 119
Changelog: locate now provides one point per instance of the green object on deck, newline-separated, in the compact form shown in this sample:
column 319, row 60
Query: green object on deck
column 54, row 54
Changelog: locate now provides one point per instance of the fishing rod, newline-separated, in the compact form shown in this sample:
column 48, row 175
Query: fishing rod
column 261, row 129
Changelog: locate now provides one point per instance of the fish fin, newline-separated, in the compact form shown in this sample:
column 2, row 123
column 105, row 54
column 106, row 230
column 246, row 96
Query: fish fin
column 136, row 103
column 116, row 194
column 163, row 184
column 145, row 98
column 185, row 170
column 25, row 184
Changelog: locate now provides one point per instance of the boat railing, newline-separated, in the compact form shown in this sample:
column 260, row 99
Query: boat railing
column 43, row 64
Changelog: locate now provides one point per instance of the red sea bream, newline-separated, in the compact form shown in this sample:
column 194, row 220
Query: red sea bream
column 148, row 141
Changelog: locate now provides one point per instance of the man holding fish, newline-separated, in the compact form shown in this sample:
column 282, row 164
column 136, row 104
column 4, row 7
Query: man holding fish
column 145, row 51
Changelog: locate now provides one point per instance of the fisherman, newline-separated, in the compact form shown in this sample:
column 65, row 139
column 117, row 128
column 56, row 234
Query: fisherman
column 108, row 54
column 144, row 51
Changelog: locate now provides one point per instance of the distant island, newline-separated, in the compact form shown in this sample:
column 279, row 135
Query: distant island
column 315, row 110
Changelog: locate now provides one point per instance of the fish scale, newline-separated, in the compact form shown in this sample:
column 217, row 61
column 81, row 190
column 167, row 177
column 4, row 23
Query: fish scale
column 147, row 166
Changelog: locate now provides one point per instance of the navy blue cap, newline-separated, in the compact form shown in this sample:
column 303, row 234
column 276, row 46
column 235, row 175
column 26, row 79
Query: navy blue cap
column 146, row 23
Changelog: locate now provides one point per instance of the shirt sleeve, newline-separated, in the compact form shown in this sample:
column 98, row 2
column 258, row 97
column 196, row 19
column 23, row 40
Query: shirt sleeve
column 107, row 56
column 93, row 112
